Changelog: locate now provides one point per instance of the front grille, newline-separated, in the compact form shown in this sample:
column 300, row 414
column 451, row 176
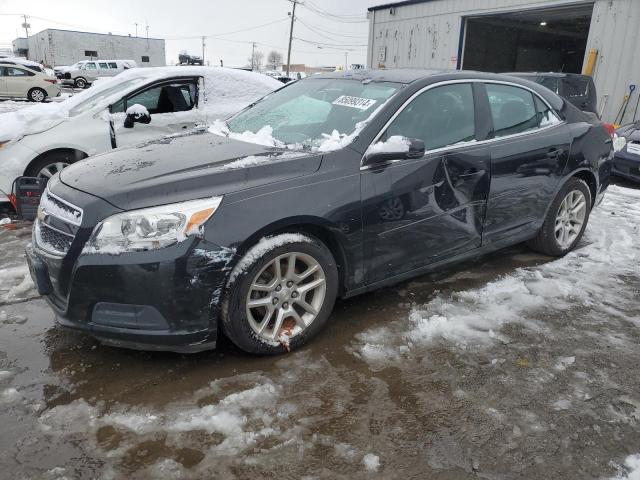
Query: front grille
column 57, row 224
column 52, row 240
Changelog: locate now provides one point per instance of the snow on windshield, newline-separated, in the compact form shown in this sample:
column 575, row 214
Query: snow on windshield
column 320, row 114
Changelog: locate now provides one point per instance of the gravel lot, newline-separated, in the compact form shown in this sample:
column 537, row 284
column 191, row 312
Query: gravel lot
column 512, row 366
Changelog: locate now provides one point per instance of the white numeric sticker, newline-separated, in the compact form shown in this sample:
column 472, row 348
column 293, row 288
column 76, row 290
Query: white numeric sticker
column 354, row 102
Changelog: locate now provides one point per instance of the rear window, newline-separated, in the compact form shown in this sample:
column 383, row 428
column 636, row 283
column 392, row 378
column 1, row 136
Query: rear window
column 575, row 87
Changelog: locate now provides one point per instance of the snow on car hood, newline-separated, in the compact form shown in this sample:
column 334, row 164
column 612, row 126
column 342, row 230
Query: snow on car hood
column 226, row 91
column 149, row 175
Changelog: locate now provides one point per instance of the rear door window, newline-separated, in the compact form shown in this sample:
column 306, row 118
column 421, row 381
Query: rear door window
column 512, row 108
column 18, row 72
column 104, row 66
column 440, row 117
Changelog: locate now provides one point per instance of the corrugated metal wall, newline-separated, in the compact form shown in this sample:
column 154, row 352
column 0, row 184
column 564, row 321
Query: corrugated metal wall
column 429, row 35
column 615, row 32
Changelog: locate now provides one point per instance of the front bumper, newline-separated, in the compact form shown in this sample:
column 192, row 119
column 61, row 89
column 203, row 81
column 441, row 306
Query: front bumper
column 627, row 166
column 166, row 300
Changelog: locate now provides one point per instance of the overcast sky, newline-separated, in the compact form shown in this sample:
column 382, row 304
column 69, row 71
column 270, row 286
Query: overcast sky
column 183, row 22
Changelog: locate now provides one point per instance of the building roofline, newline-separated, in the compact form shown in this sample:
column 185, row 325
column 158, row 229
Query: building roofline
column 397, row 4
column 93, row 33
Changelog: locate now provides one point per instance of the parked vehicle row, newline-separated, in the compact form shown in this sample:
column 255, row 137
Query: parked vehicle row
column 329, row 187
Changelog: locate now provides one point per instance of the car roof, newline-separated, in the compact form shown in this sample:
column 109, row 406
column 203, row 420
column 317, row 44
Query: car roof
column 402, row 75
column 547, row 74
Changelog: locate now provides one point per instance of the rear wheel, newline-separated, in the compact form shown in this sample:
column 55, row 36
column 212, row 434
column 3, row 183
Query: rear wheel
column 37, row 95
column 80, row 82
column 280, row 294
column 566, row 220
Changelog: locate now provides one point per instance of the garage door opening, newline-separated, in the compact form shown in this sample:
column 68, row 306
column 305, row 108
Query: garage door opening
column 542, row 40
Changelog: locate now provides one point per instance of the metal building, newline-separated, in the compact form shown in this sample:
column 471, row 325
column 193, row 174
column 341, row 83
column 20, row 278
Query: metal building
column 515, row 35
column 65, row 47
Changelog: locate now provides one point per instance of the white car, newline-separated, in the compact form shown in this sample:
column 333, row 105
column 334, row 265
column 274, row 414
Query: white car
column 20, row 81
column 43, row 139
column 89, row 71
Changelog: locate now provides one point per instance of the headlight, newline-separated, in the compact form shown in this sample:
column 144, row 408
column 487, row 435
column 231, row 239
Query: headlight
column 151, row 228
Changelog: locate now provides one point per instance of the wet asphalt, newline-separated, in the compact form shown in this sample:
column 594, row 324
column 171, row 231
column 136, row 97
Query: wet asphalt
column 558, row 402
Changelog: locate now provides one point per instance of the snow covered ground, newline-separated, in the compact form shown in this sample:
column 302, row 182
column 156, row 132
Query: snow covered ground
column 513, row 366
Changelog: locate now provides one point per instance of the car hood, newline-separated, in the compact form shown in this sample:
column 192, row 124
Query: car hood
column 185, row 167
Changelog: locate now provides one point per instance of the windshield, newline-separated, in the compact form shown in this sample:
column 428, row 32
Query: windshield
column 90, row 98
column 314, row 112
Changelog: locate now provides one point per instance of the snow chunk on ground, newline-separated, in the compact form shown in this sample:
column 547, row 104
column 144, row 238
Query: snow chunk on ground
column 564, row 362
column 371, row 462
column 632, row 464
column 394, row 144
column 9, row 395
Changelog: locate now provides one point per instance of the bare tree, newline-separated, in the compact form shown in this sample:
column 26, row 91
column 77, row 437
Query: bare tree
column 274, row 60
column 256, row 61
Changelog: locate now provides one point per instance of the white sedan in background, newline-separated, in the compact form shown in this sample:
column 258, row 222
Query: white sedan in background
column 21, row 81
column 40, row 141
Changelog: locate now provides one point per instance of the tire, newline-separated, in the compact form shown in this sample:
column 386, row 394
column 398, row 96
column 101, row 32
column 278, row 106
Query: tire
column 550, row 239
column 37, row 95
column 51, row 163
column 80, row 82
column 242, row 323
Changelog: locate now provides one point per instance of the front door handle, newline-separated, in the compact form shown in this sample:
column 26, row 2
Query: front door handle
column 554, row 153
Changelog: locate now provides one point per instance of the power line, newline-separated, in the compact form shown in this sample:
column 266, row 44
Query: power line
column 329, row 45
column 315, row 27
column 319, row 33
column 229, row 33
column 334, row 17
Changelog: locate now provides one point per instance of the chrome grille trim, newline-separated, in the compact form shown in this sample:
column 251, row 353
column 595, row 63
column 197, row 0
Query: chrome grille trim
column 56, row 215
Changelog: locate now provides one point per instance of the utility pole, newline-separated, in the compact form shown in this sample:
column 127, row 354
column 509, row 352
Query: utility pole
column 253, row 55
column 293, row 18
column 203, row 45
column 26, row 27
column 346, row 61
column 136, row 24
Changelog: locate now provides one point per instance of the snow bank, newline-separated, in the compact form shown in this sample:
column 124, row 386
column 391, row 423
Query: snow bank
column 632, row 465
column 590, row 277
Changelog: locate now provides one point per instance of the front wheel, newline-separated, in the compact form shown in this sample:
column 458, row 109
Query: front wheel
column 566, row 220
column 280, row 294
column 80, row 83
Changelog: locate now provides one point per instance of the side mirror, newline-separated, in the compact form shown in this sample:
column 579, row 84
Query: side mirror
column 137, row 114
column 394, row 148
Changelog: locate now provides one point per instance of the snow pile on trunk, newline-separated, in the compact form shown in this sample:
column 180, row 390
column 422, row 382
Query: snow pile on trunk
column 394, row 144
column 589, row 277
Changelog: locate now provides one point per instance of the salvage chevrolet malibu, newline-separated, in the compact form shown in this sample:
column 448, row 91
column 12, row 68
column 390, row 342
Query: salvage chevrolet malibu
column 329, row 187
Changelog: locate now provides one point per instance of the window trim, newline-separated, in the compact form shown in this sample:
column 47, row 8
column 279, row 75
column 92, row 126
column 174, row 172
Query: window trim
column 462, row 145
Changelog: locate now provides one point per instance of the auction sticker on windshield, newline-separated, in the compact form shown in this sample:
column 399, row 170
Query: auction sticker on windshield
column 354, row 102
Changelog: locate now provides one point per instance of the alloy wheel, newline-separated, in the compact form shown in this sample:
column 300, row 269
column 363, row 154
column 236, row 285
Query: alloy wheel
column 37, row 96
column 50, row 170
column 570, row 218
column 286, row 296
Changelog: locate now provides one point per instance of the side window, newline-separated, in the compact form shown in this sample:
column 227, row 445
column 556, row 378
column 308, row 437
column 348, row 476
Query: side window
column 546, row 116
column 441, row 116
column 168, row 98
column 145, row 59
column 90, row 53
column 3, row 71
column 104, row 66
column 90, row 66
column 512, row 108
column 113, row 65
column 17, row 72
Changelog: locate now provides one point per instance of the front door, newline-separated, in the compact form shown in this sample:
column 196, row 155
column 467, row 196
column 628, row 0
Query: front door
column 173, row 106
column 419, row 211
column 528, row 155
